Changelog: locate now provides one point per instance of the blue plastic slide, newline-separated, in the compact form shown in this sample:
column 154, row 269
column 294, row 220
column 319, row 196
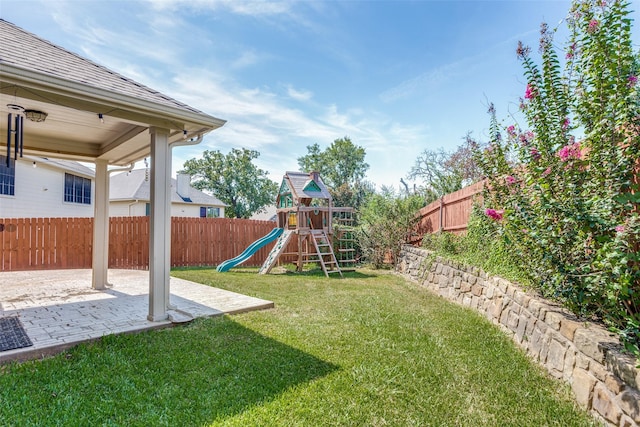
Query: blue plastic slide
column 252, row 249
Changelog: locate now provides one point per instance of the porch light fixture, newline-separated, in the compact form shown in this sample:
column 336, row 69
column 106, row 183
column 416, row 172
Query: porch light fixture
column 101, row 117
column 184, row 134
column 35, row 115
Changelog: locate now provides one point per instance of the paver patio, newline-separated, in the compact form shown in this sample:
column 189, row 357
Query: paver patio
column 59, row 309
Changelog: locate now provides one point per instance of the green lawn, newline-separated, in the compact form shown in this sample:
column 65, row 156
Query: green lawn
column 368, row 350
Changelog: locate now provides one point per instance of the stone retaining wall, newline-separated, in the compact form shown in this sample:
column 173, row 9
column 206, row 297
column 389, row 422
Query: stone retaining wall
column 585, row 355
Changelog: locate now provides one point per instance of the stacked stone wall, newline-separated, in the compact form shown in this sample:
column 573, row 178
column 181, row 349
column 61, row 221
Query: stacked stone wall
column 603, row 379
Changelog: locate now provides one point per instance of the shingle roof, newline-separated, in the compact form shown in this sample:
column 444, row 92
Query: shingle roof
column 48, row 58
column 300, row 180
column 134, row 185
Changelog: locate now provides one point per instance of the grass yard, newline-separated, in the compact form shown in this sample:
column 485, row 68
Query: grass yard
column 368, row 350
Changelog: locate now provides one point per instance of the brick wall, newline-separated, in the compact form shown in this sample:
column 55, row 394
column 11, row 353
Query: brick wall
column 604, row 381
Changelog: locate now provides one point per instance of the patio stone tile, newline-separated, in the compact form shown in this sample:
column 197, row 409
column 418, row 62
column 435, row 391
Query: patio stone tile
column 59, row 308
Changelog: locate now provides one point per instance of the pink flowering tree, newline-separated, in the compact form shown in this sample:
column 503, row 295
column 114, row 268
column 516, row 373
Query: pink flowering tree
column 567, row 186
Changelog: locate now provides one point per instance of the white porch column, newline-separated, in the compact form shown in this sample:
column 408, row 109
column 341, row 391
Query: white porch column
column 100, row 262
column 160, row 225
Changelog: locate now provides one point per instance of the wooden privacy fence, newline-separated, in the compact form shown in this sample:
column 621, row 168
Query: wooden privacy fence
column 58, row 243
column 449, row 213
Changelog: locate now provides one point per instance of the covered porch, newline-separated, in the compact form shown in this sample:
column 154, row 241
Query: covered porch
column 59, row 309
column 57, row 104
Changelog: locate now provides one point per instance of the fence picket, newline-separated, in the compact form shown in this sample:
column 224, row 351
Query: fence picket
column 60, row 243
column 449, row 213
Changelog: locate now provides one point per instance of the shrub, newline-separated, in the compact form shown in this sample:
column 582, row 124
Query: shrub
column 567, row 187
column 386, row 219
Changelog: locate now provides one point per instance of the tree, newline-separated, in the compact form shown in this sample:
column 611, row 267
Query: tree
column 444, row 172
column 341, row 163
column 234, row 179
column 342, row 168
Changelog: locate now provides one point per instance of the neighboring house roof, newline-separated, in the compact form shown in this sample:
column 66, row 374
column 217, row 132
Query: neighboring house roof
column 306, row 185
column 269, row 214
column 136, row 185
column 54, row 60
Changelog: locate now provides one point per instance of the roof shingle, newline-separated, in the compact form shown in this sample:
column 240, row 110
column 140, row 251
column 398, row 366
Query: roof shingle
column 48, row 58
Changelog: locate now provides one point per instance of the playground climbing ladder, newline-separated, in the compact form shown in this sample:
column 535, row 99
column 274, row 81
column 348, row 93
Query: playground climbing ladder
column 277, row 249
column 326, row 256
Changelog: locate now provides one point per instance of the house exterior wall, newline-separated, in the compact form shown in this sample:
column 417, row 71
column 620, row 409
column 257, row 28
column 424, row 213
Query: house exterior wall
column 126, row 208
column 181, row 210
column 39, row 193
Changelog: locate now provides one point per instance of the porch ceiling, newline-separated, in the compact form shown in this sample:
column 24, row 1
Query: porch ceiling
column 73, row 129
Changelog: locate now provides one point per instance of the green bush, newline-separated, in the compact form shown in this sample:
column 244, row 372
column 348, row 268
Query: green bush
column 386, row 219
column 564, row 193
column 482, row 246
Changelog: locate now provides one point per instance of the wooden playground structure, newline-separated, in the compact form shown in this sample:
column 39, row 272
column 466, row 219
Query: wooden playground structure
column 306, row 214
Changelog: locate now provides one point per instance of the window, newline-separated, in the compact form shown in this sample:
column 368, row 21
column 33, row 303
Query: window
column 209, row 212
column 7, row 176
column 77, row 189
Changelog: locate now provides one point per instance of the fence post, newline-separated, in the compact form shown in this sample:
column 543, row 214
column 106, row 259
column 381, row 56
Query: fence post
column 441, row 214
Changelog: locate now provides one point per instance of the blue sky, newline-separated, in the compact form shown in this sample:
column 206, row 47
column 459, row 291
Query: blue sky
column 397, row 77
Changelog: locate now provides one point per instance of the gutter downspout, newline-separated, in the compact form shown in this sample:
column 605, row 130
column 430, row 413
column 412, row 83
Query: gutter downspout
column 191, row 141
column 128, row 168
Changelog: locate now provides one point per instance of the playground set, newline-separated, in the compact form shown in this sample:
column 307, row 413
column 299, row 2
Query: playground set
column 306, row 215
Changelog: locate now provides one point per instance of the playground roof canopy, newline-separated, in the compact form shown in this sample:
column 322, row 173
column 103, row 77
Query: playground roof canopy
column 306, row 186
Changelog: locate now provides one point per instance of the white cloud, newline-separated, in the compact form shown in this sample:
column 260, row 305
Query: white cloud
column 299, row 95
column 246, row 59
column 240, row 7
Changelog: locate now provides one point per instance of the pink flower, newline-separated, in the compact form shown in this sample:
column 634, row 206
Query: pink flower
column 511, row 131
column 571, row 52
column 522, row 51
column 570, row 151
column 593, row 26
column 526, row 137
column 547, row 171
column 523, row 105
column 620, row 228
column 566, row 123
column 535, row 154
column 511, row 180
column 632, row 80
column 494, row 214
column 530, row 92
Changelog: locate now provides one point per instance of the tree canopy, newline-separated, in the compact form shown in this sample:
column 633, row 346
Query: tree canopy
column 234, row 179
column 443, row 172
column 342, row 168
column 341, row 163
